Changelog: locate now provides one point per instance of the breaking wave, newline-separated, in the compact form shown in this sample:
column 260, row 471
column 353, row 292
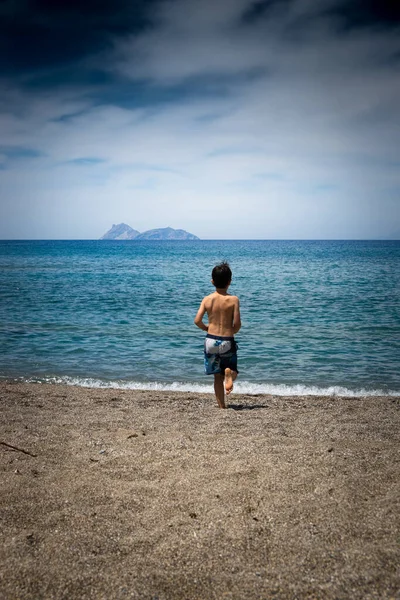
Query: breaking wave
column 241, row 387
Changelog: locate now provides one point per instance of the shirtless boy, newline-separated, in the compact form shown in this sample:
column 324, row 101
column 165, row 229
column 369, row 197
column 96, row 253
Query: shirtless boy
column 223, row 312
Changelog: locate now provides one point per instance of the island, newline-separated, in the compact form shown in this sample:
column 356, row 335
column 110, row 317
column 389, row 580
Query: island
column 122, row 231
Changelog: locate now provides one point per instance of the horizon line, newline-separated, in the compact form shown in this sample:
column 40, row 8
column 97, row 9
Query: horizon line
column 203, row 240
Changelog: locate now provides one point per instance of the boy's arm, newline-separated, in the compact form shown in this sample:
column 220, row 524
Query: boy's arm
column 237, row 323
column 198, row 320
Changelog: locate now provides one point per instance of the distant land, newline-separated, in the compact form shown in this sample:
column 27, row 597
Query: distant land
column 125, row 232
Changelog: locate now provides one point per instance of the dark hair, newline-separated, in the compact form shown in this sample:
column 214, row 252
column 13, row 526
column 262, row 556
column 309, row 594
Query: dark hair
column 222, row 275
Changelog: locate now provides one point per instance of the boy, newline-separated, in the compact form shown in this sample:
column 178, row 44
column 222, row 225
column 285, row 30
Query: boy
column 223, row 312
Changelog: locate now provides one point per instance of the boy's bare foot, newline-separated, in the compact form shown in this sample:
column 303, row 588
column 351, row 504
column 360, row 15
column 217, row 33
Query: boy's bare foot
column 228, row 381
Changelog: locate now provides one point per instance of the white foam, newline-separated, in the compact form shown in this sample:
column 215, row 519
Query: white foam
column 242, row 387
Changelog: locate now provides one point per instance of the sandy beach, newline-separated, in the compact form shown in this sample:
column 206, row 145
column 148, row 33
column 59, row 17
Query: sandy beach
column 159, row 495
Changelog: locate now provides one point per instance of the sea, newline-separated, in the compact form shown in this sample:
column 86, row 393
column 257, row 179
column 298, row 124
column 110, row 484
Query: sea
column 318, row 317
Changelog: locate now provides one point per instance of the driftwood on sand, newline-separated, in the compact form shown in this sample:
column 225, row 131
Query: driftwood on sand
column 18, row 449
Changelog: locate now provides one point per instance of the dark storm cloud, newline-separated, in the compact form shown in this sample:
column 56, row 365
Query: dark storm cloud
column 262, row 9
column 37, row 35
column 52, row 39
column 350, row 13
column 367, row 13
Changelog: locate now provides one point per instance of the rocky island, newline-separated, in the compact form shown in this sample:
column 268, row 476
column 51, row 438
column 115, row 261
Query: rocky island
column 120, row 232
column 125, row 232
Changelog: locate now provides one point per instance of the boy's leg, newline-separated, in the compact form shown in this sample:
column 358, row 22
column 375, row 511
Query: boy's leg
column 230, row 377
column 219, row 389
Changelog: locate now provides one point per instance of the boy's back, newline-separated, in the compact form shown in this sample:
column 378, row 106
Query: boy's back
column 221, row 309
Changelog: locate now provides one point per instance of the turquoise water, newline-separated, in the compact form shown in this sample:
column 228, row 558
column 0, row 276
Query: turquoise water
column 318, row 316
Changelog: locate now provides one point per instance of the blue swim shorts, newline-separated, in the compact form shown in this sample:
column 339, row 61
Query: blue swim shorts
column 219, row 354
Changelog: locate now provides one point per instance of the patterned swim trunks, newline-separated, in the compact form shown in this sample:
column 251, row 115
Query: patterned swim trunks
column 219, row 354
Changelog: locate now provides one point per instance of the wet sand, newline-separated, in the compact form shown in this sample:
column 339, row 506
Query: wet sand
column 161, row 495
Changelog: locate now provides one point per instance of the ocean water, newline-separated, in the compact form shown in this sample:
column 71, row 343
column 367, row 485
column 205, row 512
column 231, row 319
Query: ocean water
column 317, row 316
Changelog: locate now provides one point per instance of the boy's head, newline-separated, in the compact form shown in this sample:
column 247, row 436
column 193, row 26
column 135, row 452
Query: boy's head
column 221, row 275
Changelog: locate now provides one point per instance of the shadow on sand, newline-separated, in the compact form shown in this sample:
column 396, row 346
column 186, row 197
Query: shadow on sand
column 246, row 406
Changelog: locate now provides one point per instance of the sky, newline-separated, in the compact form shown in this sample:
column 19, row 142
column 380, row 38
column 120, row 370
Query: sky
column 232, row 119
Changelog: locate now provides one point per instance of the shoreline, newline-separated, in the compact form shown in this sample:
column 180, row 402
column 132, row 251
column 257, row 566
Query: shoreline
column 143, row 494
column 241, row 387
